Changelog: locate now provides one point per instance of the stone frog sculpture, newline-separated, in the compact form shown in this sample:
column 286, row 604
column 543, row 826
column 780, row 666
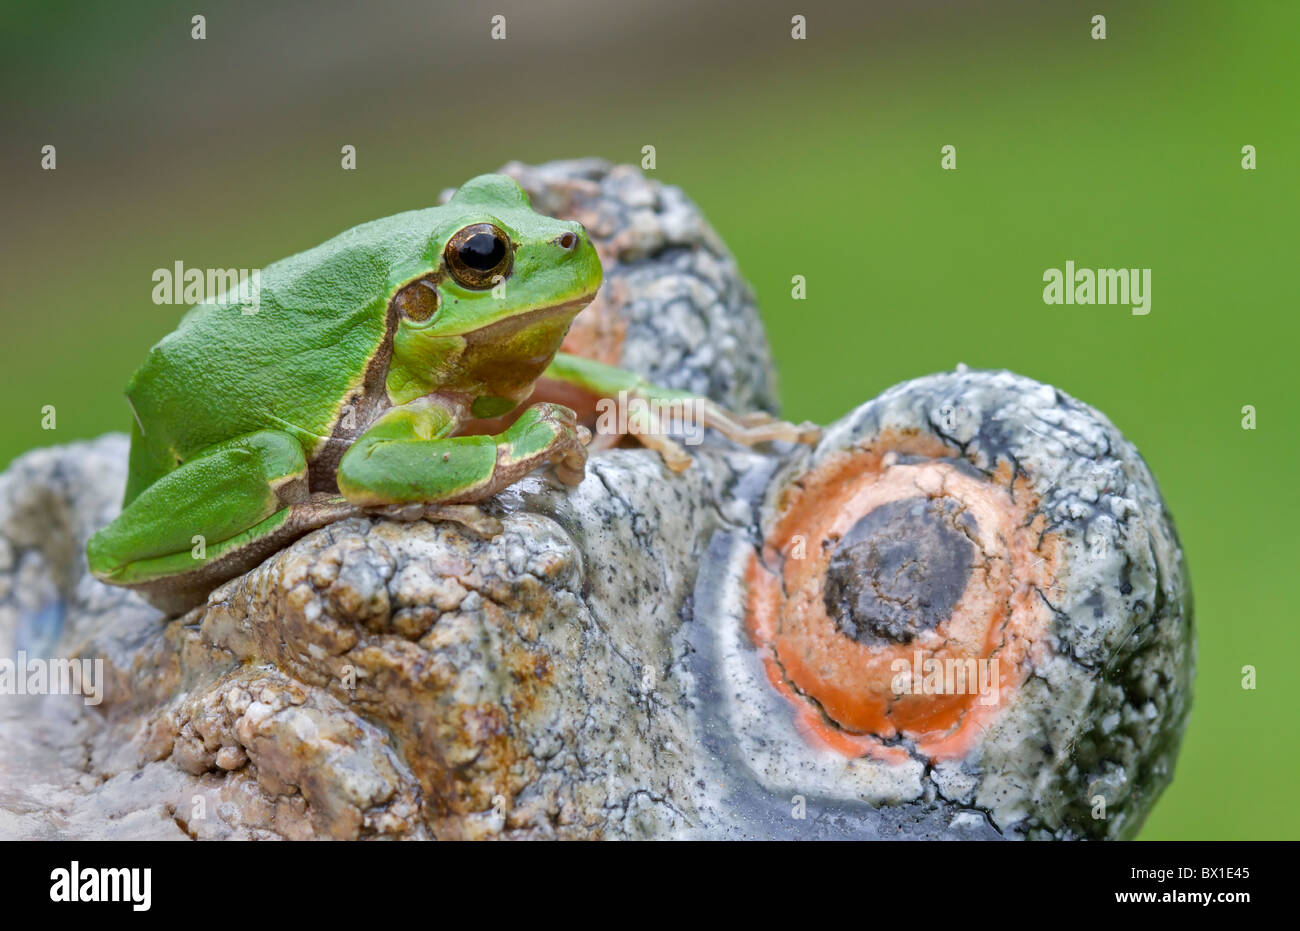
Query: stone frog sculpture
column 962, row 612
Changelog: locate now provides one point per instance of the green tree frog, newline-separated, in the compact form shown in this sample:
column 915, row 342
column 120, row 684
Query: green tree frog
column 345, row 389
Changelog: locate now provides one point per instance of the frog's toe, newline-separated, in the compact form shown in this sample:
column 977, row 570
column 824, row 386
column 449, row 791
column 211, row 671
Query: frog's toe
column 570, row 459
column 757, row 427
column 809, row 433
column 673, row 455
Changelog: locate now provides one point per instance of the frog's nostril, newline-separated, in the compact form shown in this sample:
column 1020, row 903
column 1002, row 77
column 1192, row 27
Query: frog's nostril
column 567, row 241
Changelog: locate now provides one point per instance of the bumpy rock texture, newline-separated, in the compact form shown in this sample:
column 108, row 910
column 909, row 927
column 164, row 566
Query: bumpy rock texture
column 1091, row 614
column 587, row 673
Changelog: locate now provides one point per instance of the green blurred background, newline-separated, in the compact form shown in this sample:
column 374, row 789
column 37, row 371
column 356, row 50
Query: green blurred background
column 818, row 158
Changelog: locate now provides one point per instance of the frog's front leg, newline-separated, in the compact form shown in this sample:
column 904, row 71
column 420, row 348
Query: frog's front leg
column 644, row 422
column 408, row 457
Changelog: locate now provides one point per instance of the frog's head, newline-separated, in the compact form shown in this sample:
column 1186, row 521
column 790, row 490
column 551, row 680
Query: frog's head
column 501, row 286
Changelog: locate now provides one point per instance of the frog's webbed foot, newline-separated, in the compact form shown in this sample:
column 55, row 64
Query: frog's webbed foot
column 546, row 434
column 756, row 426
column 656, row 408
column 469, row 516
column 747, row 429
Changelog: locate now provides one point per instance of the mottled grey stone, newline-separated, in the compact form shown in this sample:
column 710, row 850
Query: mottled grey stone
column 1102, row 717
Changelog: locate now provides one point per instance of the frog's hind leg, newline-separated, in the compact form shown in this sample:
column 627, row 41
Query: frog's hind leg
column 211, row 518
column 649, row 418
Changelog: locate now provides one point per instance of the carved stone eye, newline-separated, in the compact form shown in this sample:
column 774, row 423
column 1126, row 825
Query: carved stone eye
column 478, row 255
column 417, row 301
column 905, row 613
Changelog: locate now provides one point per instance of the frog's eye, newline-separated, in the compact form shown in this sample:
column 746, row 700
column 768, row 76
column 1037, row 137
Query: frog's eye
column 479, row 255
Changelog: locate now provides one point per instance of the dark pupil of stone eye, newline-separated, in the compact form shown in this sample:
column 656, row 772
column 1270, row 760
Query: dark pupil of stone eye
column 900, row 570
column 482, row 252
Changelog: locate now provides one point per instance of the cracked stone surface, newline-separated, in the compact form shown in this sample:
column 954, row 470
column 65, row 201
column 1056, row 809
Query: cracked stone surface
column 380, row 678
column 588, row 673
column 1089, row 736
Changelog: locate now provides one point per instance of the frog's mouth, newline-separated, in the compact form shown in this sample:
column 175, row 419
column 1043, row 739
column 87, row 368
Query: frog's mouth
column 510, row 327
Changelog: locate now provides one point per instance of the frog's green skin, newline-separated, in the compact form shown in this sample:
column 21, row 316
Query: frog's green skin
column 343, row 393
